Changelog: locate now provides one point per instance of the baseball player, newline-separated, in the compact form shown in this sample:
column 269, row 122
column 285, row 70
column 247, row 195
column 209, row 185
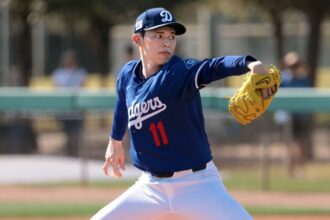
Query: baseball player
column 158, row 99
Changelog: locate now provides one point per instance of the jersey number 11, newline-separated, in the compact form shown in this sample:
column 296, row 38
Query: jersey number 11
column 158, row 133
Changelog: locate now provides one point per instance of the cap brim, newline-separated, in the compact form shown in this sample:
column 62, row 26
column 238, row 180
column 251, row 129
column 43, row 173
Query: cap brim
column 179, row 28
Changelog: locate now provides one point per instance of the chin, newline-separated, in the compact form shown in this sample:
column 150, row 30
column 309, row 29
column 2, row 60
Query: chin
column 164, row 60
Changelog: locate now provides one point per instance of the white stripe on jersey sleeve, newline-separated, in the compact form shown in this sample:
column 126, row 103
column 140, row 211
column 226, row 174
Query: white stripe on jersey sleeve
column 196, row 76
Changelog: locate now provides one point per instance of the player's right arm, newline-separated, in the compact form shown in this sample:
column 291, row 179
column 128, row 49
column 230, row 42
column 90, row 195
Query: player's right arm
column 115, row 154
column 114, row 157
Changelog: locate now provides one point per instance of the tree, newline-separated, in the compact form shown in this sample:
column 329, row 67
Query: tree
column 274, row 10
column 21, row 44
column 316, row 12
column 101, row 15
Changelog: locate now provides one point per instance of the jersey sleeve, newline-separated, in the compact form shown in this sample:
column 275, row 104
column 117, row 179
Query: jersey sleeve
column 210, row 70
column 120, row 118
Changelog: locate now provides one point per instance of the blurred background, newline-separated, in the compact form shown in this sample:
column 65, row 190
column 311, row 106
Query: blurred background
column 58, row 65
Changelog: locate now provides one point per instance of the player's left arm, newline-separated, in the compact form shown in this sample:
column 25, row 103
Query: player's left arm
column 217, row 68
column 210, row 70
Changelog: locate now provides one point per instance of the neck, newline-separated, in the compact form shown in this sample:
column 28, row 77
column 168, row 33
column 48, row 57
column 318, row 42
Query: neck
column 149, row 68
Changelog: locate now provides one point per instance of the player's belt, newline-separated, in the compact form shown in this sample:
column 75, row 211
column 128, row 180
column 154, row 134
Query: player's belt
column 170, row 174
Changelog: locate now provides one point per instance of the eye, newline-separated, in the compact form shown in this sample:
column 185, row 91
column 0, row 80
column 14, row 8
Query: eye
column 172, row 37
column 159, row 36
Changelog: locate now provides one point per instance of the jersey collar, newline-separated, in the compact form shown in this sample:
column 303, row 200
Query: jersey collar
column 138, row 76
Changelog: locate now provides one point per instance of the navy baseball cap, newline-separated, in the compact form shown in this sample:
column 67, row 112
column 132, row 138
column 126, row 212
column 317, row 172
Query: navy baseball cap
column 155, row 18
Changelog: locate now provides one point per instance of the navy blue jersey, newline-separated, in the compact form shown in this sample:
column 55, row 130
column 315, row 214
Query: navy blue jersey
column 164, row 111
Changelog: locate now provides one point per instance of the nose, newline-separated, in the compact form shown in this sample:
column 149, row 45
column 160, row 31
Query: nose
column 165, row 43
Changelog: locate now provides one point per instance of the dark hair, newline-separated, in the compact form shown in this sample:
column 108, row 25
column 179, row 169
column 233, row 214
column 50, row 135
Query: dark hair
column 142, row 33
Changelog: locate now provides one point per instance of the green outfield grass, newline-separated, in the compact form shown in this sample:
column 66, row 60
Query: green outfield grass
column 47, row 209
column 86, row 209
column 313, row 177
column 287, row 211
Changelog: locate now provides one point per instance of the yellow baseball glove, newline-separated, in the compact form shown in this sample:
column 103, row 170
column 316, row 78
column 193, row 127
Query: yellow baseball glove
column 248, row 104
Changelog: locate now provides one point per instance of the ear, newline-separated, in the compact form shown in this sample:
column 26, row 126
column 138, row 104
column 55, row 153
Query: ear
column 136, row 39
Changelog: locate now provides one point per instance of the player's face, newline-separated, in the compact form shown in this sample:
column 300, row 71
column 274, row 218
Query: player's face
column 158, row 45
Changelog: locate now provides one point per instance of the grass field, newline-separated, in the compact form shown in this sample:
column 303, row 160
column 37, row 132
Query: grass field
column 313, row 177
column 73, row 201
column 87, row 209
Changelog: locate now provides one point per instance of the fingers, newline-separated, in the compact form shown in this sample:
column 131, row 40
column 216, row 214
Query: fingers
column 274, row 89
column 264, row 93
column 268, row 92
column 114, row 159
column 106, row 166
column 115, row 165
column 116, row 170
column 122, row 164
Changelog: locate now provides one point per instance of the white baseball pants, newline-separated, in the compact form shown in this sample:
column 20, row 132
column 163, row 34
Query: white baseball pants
column 197, row 195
